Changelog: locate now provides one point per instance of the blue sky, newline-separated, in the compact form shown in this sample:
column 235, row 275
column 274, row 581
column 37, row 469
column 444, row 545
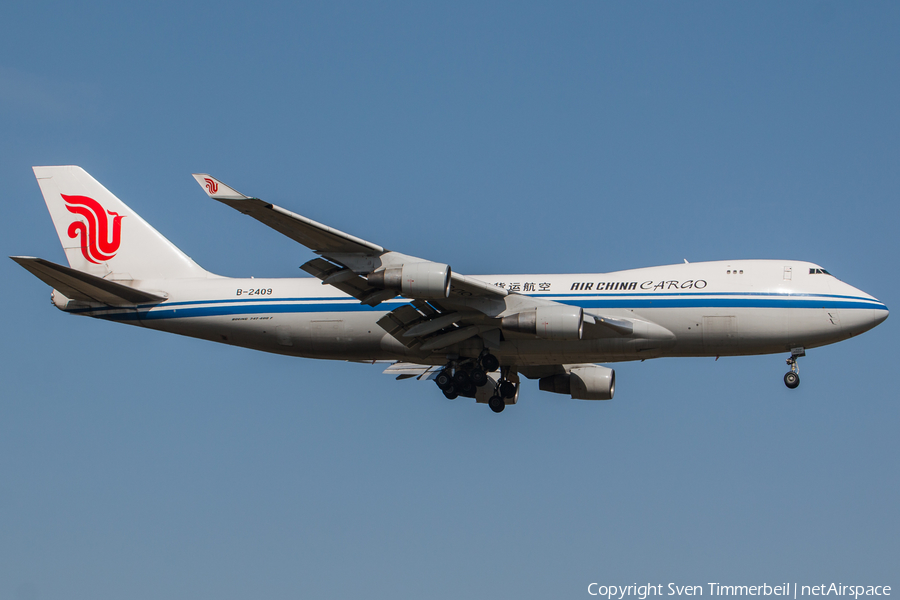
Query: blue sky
column 511, row 137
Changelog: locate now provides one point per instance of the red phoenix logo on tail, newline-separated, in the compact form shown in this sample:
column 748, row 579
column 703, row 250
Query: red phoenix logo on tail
column 98, row 243
column 212, row 186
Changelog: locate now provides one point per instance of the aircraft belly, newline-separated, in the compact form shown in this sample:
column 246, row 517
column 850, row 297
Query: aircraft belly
column 742, row 331
column 815, row 327
column 340, row 336
column 648, row 340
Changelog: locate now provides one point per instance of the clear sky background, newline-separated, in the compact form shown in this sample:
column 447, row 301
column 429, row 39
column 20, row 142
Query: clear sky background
column 504, row 137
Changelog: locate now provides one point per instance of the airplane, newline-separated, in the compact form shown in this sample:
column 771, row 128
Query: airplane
column 473, row 336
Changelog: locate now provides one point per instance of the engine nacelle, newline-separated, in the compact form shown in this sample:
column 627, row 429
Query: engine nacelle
column 558, row 322
column 591, row 382
column 415, row 280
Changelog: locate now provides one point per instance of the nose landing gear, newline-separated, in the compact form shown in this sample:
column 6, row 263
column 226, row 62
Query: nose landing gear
column 792, row 377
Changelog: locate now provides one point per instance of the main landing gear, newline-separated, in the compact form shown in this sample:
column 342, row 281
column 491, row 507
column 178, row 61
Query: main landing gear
column 464, row 378
column 792, row 377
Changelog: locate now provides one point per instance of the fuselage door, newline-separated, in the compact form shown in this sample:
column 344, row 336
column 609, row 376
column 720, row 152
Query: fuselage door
column 787, row 273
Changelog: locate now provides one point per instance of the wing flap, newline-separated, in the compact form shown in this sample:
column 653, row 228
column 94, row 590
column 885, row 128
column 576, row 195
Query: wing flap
column 400, row 320
column 347, row 281
column 420, row 325
column 405, row 370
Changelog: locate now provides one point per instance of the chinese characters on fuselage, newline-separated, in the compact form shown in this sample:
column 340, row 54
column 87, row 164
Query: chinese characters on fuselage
column 525, row 287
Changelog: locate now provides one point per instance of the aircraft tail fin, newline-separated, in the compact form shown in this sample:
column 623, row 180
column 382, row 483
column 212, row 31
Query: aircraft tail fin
column 104, row 237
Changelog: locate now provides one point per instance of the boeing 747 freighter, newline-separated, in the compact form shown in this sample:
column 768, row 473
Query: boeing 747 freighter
column 473, row 335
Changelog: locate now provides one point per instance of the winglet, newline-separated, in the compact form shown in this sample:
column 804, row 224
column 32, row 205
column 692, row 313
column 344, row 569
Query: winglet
column 218, row 190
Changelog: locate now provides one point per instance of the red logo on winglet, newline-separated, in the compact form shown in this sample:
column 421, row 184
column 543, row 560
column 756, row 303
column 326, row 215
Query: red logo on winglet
column 212, row 185
column 96, row 244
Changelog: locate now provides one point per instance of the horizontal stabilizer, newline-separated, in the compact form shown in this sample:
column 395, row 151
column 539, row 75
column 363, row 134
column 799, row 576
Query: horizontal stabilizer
column 77, row 285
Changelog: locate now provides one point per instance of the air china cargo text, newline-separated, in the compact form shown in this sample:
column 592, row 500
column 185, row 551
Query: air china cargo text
column 656, row 286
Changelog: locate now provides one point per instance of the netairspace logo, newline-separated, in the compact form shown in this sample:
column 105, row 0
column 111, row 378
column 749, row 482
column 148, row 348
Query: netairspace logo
column 641, row 592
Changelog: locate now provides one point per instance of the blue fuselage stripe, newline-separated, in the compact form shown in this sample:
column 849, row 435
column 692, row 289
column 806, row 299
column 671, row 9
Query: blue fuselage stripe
column 213, row 308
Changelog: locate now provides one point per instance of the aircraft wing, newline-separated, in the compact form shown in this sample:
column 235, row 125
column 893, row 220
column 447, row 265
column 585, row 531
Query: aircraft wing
column 349, row 255
column 446, row 307
column 311, row 234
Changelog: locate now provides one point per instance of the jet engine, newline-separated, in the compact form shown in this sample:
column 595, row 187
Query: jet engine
column 415, row 280
column 591, row 382
column 555, row 322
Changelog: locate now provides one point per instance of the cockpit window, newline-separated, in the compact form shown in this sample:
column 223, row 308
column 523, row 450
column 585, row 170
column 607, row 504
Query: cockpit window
column 818, row 272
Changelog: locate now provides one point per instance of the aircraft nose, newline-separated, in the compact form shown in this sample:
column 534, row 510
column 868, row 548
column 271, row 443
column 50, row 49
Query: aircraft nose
column 861, row 320
column 880, row 315
column 865, row 312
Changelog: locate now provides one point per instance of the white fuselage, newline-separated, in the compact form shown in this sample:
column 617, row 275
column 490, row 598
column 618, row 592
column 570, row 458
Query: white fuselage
column 700, row 309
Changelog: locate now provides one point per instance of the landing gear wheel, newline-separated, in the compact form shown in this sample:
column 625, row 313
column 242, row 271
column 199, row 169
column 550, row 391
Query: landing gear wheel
column 490, row 363
column 479, row 377
column 791, row 379
column 443, row 379
column 506, row 389
column 450, row 392
column 461, row 378
column 496, row 403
